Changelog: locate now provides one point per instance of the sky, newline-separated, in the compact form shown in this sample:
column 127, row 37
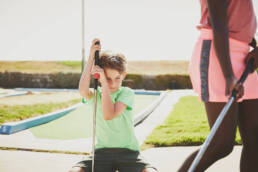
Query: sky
column 51, row 30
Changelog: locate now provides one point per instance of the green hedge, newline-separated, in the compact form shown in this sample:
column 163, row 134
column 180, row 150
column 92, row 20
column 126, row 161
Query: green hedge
column 71, row 80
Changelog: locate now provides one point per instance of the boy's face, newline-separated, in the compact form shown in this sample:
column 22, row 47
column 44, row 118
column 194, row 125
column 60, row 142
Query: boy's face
column 114, row 79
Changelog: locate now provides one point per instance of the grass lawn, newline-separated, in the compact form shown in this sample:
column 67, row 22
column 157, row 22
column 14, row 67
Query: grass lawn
column 20, row 112
column 161, row 67
column 133, row 67
column 186, row 125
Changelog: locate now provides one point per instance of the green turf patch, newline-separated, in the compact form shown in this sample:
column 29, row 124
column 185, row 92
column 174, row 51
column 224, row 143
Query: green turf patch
column 21, row 112
column 78, row 123
column 72, row 64
column 186, row 125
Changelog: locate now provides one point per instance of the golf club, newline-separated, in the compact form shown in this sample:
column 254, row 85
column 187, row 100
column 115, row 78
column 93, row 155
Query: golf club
column 96, row 77
column 220, row 118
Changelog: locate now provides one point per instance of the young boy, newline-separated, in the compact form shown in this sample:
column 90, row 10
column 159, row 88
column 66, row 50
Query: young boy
column 117, row 147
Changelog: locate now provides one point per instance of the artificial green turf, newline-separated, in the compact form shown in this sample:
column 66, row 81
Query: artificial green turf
column 73, row 64
column 186, row 125
column 20, row 112
column 78, row 123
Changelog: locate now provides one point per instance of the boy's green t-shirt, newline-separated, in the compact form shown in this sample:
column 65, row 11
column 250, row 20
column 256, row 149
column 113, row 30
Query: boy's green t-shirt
column 118, row 132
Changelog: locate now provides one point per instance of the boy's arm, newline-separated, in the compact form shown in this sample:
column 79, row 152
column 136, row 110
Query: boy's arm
column 84, row 84
column 109, row 109
column 219, row 22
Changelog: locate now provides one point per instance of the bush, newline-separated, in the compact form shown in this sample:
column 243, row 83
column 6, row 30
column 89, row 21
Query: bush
column 71, row 80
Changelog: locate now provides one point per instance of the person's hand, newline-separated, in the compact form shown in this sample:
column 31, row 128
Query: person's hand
column 232, row 84
column 94, row 48
column 98, row 70
column 253, row 54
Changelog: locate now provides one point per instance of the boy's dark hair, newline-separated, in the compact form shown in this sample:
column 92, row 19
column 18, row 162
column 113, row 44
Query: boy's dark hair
column 113, row 61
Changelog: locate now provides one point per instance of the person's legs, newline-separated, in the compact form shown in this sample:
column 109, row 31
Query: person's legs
column 223, row 141
column 101, row 165
column 104, row 162
column 129, row 160
column 248, row 127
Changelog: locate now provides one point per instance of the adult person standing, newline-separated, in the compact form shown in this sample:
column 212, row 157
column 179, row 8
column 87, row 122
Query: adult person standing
column 219, row 58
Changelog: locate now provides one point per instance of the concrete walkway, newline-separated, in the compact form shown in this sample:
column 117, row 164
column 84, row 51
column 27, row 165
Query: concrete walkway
column 165, row 159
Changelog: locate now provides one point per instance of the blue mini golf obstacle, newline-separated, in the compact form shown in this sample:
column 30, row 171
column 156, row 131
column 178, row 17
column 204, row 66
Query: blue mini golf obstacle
column 13, row 127
column 13, row 94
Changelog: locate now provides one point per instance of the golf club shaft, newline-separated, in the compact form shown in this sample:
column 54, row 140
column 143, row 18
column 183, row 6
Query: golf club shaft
column 211, row 135
column 95, row 108
column 94, row 129
column 220, row 118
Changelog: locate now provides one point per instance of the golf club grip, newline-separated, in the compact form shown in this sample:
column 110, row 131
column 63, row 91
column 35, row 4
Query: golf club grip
column 245, row 74
column 96, row 57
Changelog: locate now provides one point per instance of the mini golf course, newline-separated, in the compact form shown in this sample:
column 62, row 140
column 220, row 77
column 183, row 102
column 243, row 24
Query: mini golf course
column 76, row 122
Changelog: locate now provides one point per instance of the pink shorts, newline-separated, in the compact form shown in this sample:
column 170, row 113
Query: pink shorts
column 206, row 75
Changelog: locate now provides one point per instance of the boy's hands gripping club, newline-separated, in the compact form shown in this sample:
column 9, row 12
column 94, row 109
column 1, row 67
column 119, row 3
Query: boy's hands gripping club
column 96, row 58
column 95, row 47
column 84, row 84
column 97, row 71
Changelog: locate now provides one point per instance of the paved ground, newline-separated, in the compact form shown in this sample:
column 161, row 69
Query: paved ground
column 165, row 159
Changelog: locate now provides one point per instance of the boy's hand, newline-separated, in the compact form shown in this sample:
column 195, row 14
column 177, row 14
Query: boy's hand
column 94, row 48
column 253, row 54
column 100, row 71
